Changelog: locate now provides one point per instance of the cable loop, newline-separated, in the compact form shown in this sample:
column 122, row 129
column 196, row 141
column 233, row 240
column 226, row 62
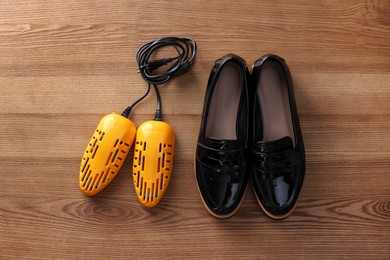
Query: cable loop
column 186, row 51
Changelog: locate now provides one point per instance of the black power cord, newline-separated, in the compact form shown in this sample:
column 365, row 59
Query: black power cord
column 186, row 51
column 127, row 111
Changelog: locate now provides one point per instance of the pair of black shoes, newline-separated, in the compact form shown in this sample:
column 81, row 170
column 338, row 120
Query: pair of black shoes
column 250, row 128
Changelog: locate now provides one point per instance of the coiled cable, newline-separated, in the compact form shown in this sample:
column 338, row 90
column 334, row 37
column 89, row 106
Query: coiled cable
column 186, row 52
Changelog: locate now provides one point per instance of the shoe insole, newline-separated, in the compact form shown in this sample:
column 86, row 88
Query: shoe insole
column 275, row 104
column 225, row 101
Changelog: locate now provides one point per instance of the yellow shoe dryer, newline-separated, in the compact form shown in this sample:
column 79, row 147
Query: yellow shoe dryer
column 106, row 153
column 153, row 161
column 107, row 150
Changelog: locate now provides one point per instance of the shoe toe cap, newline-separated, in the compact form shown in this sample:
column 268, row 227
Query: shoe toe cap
column 279, row 193
column 221, row 191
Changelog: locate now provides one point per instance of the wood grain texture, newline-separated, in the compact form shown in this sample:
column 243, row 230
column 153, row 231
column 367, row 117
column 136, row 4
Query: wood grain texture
column 63, row 65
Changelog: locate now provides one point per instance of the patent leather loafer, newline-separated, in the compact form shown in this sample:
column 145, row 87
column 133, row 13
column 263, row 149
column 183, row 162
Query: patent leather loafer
column 221, row 166
column 277, row 149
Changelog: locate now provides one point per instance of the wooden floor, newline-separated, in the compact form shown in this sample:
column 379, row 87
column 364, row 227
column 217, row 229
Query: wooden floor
column 65, row 64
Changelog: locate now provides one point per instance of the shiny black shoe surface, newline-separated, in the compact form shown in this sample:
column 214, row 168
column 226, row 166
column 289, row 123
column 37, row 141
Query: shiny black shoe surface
column 277, row 149
column 221, row 167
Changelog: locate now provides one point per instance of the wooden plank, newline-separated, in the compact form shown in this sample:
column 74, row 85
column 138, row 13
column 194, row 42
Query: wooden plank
column 63, row 65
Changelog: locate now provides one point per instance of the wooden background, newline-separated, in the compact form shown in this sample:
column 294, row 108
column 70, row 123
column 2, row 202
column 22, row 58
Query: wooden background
column 65, row 64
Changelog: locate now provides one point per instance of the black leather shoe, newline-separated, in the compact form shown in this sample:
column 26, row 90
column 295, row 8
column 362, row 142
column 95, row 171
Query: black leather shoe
column 221, row 167
column 277, row 150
